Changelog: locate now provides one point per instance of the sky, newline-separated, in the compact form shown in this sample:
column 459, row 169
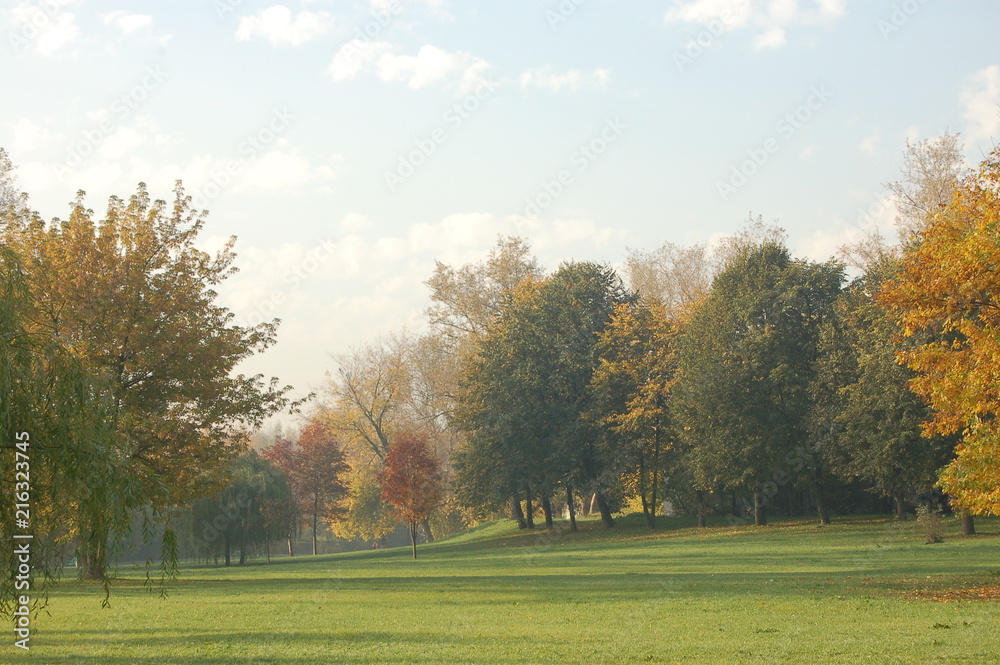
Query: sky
column 349, row 145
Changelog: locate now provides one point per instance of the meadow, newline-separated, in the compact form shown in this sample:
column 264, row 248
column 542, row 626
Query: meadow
column 863, row 590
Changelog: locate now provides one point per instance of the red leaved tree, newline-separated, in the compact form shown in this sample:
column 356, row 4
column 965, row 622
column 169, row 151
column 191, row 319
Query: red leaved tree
column 411, row 480
column 314, row 467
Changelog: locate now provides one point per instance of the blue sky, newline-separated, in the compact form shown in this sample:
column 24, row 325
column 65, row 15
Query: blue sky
column 350, row 144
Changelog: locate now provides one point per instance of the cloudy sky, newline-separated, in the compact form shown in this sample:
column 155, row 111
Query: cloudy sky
column 350, row 144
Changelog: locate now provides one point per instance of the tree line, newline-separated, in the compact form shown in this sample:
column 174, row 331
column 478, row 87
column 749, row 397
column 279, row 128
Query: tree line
column 732, row 380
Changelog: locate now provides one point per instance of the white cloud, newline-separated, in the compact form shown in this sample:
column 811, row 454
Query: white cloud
column 981, row 98
column 277, row 25
column 772, row 38
column 128, row 22
column 354, row 222
column 911, row 133
column 770, row 19
column 431, row 65
column 355, row 57
column 46, row 30
column 869, row 144
column 285, row 171
column 573, row 80
column 29, row 136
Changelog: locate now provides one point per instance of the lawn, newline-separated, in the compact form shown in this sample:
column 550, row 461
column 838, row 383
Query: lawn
column 864, row 590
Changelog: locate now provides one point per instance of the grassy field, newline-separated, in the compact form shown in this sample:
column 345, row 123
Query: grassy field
column 859, row 591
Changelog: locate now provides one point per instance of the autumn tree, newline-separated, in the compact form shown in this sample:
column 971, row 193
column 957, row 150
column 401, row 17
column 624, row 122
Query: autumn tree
column 135, row 299
column 948, row 289
column 368, row 394
column 317, row 472
column 637, row 364
column 673, row 275
column 411, row 481
column 932, row 168
column 316, row 467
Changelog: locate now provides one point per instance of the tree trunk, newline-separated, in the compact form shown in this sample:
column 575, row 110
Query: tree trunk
column 654, row 478
column 226, row 545
column 413, row 538
column 900, row 505
column 529, row 510
column 427, row 529
column 516, row 513
column 267, row 548
column 968, row 524
column 820, row 491
column 290, row 552
column 759, row 514
column 547, row 509
column 572, row 508
column 593, row 502
column 315, row 523
column 701, row 508
column 642, row 488
column 606, row 518
column 243, row 549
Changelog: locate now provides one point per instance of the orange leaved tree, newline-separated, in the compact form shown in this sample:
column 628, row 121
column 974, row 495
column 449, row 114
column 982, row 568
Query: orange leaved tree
column 411, row 480
column 949, row 290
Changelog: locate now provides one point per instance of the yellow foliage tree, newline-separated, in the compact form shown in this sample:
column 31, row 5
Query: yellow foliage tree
column 949, row 289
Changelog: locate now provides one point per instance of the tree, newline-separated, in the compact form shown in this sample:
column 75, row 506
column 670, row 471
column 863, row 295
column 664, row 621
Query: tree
column 527, row 391
column 674, row 276
column 9, row 196
column 315, row 466
column 867, row 419
column 411, row 481
column 254, row 503
column 134, row 298
column 369, row 394
column 631, row 386
column 468, row 300
column 365, row 516
column 55, row 413
column 746, row 366
column 932, row 168
column 317, row 469
column 282, row 457
column 948, row 289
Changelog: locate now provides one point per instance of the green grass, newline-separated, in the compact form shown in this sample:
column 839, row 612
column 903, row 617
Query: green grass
column 859, row 591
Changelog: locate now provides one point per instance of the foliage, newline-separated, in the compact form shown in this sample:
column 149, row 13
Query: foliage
column 867, row 419
column 948, row 289
column 134, row 299
column 631, row 385
column 746, row 366
column 411, row 481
